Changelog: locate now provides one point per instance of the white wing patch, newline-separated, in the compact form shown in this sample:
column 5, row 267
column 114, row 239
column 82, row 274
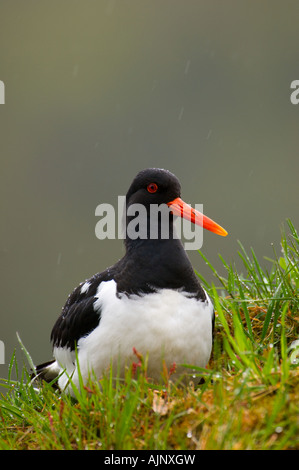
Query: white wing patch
column 85, row 287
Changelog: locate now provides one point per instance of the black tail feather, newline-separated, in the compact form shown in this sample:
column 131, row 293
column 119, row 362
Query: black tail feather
column 47, row 372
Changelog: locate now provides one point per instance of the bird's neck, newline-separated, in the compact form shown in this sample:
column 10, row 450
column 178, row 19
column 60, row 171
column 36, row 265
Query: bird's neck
column 149, row 224
column 159, row 263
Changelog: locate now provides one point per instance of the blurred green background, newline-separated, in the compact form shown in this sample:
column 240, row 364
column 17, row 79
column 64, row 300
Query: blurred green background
column 96, row 91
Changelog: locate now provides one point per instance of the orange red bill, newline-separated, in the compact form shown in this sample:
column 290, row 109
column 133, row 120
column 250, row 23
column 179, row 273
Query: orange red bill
column 182, row 209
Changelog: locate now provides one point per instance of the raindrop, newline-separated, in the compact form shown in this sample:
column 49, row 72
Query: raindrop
column 187, row 66
column 75, row 71
column 155, row 82
column 181, row 113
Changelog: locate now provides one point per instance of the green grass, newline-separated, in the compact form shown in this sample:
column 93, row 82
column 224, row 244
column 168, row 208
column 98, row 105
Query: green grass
column 249, row 400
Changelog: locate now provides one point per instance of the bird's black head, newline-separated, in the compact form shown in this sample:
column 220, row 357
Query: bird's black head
column 153, row 186
column 155, row 196
column 147, row 212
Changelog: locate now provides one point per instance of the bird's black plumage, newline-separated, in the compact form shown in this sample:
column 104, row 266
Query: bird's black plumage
column 78, row 317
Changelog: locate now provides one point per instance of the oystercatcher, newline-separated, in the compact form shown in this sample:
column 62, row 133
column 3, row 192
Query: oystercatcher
column 150, row 301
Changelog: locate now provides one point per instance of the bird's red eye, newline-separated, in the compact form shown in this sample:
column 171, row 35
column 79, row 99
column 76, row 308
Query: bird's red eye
column 152, row 188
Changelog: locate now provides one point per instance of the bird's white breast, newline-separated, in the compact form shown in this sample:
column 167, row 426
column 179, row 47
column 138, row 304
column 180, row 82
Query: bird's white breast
column 166, row 325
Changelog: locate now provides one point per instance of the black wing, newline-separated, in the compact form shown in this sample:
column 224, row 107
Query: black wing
column 78, row 317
